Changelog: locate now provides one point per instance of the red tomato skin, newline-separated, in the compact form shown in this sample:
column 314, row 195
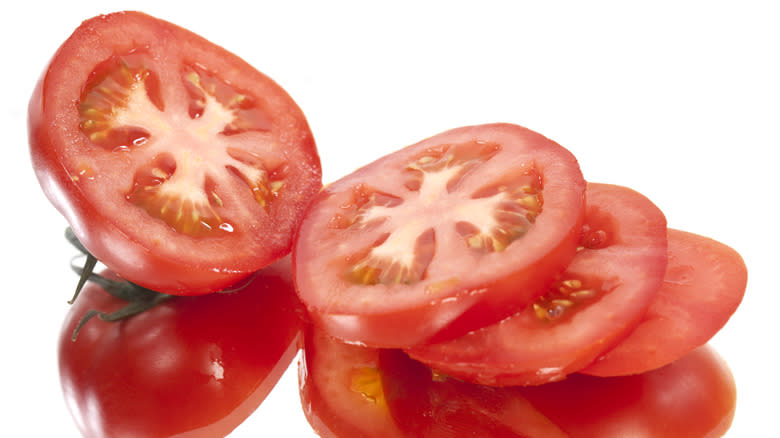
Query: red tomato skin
column 53, row 133
column 465, row 304
column 190, row 367
column 704, row 284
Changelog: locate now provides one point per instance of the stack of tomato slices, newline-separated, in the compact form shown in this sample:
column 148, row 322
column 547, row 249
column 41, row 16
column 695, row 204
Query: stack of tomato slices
column 472, row 284
column 487, row 269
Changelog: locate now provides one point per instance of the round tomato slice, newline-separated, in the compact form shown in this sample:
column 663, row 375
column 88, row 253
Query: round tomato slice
column 177, row 164
column 189, row 367
column 704, row 284
column 595, row 302
column 441, row 237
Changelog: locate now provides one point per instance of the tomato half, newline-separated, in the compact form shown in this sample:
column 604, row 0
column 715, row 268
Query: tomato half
column 176, row 163
column 595, row 302
column 440, row 237
column 189, row 367
column 704, row 284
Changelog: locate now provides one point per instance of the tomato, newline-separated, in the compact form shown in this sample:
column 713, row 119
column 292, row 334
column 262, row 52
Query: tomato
column 441, row 237
column 177, row 164
column 189, row 367
column 704, row 284
column 596, row 301
column 355, row 391
column 692, row 397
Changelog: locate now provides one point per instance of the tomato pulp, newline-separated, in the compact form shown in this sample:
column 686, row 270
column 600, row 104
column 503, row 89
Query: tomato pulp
column 189, row 367
column 176, row 163
column 441, row 237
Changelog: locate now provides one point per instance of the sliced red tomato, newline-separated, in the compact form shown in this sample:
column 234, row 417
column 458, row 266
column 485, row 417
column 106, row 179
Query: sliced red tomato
column 189, row 367
column 176, row 163
column 704, row 284
column 441, row 237
column 595, row 302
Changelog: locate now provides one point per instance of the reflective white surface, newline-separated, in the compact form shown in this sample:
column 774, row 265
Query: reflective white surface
column 678, row 102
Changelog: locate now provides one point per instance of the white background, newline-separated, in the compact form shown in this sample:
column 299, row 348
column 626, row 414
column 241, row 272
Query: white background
column 678, row 100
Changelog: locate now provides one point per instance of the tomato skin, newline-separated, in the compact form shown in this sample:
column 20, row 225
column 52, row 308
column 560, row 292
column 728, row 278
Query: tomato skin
column 141, row 248
column 703, row 286
column 189, row 367
column 461, row 289
column 625, row 271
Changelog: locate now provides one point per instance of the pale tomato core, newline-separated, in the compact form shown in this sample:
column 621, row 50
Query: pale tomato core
column 122, row 111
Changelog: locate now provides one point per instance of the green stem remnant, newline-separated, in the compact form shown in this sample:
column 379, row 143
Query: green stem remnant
column 139, row 299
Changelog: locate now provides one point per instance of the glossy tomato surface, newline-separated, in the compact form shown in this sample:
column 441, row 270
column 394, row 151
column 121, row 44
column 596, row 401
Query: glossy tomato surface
column 341, row 389
column 349, row 391
column 353, row 391
column 593, row 304
column 176, row 163
column 190, row 367
column 704, row 284
column 440, row 237
column 693, row 397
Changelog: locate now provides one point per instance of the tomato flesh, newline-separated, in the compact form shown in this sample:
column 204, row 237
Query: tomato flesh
column 190, row 367
column 436, row 239
column 593, row 304
column 704, row 284
column 176, row 164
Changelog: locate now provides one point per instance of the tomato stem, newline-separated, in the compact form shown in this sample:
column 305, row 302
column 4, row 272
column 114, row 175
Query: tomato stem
column 139, row 298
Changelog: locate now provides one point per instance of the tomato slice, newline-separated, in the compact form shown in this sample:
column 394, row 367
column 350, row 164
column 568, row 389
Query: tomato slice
column 600, row 296
column 704, row 284
column 177, row 164
column 441, row 237
column 189, row 367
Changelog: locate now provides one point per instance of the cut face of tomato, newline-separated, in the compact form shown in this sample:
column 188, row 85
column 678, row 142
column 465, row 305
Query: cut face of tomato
column 704, row 284
column 594, row 303
column 441, row 237
column 176, row 163
column 189, row 367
